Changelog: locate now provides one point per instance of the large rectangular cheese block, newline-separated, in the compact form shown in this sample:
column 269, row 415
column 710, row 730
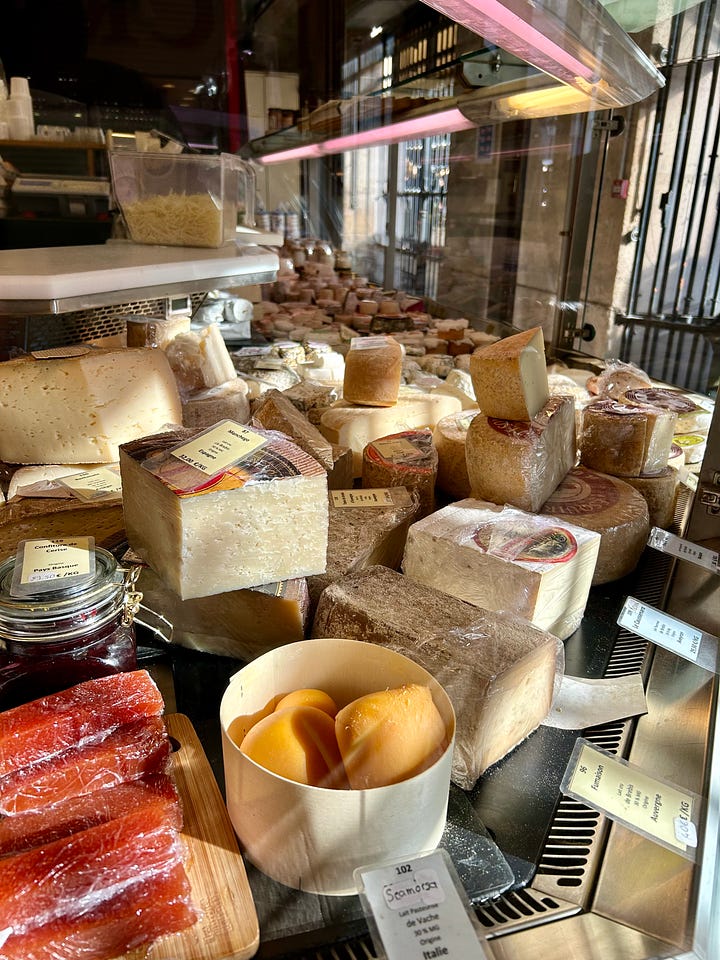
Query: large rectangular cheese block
column 506, row 560
column 500, row 672
column 264, row 520
column 239, row 623
column 79, row 409
column 521, row 463
column 510, row 376
column 626, row 440
column 355, row 426
column 364, row 535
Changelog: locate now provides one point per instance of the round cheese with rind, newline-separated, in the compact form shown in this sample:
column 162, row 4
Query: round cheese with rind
column 373, row 369
column 660, row 493
column 449, row 438
column 405, row 459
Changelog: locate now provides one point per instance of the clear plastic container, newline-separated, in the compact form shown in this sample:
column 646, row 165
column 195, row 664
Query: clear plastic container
column 183, row 200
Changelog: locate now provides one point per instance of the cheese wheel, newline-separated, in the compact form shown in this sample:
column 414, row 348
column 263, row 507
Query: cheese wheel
column 449, row 438
column 518, row 462
column 691, row 416
column 611, row 507
column 692, row 446
column 406, row 459
column 624, row 439
column 79, row 409
column 510, row 376
column 373, row 369
column 660, row 494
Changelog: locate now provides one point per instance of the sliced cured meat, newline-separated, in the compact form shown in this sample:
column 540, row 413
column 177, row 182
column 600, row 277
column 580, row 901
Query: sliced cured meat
column 129, row 752
column 27, row 830
column 88, row 711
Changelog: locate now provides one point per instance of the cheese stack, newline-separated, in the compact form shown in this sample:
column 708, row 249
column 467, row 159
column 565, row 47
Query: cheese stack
column 522, row 444
column 633, row 442
column 406, row 459
column 503, row 559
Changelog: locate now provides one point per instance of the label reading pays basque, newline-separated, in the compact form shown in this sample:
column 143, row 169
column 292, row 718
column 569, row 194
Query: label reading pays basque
column 658, row 810
column 511, row 542
column 380, row 497
column 48, row 561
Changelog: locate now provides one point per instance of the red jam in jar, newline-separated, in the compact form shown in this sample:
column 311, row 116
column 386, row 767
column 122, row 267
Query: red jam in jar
column 52, row 640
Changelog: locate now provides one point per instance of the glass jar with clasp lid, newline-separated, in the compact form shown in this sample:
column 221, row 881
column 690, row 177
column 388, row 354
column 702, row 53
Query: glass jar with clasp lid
column 67, row 633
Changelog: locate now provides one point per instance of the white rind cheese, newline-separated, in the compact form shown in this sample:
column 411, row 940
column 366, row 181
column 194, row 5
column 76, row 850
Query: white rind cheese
column 510, row 376
column 611, row 507
column 263, row 521
column 80, row 409
column 521, row 463
column 506, row 560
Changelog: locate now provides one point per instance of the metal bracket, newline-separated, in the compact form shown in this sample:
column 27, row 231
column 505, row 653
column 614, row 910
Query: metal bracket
column 614, row 126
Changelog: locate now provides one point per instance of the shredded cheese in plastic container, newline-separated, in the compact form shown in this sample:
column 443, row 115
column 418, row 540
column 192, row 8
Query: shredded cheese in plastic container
column 177, row 219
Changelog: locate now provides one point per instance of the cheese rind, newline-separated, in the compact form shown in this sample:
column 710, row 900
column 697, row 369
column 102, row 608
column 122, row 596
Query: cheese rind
column 500, row 672
column 660, row 493
column 273, row 411
column 80, row 409
column 611, row 507
column 262, row 521
column 506, row 560
column 373, row 369
column 449, row 437
column 200, row 359
column 406, row 459
column 228, row 401
column 510, row 376
column 625, row 440
column 520, row 463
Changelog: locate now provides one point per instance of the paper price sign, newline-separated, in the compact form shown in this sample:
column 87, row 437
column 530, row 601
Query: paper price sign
column 658, row 810
column 418, row 910
column 218, row 448
column 677, row 547
column 671, row 634
column 100, row 484
column 380, row 497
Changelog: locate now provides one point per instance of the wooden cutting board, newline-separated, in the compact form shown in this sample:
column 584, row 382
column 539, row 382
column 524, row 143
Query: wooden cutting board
column 228, row 928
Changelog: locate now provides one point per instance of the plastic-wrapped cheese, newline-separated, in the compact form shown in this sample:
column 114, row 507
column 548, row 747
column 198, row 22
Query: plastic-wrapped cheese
column 80, row 408
column 365, row 528
column 449, row 438
column 625, row 440
column 258, row 521
column 354, row 426
column 406, row 459
column 660, row 493
column 373, row 369
column 611, row 507
column 691, row 416
column 229, row 401
column 510, row 376
column 200, row 359
column 521, row 463
column 500, row 672
column 155, row 332
column 506, row 560
column 692, row 445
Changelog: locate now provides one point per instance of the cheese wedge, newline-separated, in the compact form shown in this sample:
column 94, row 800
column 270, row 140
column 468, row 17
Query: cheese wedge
column 510, row 376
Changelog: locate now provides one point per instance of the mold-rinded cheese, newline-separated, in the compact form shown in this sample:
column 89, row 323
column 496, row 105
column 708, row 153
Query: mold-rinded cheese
column 38, row 480
column 506, row 560
column 660, row 493
column 79, row 409
column 240, row 623
column 229, row 401
column 354, row 426
column 625, row 440
column 260, row 521
column 200, row 359
column 500, row 672
column 692, row 445
column 365, row 535
column 449, row 438
column 610, row 506
column 154, row 331
column 373, row 369
column 521, row 463
column 692, row 416
column 275, row 412
column 406, row 459
column 510, row 376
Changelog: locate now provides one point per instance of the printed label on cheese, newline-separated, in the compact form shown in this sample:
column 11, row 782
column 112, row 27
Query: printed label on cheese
column 370, row 343
column 527, row 429
column 583, row 494
column 397, row 450
column 41, row 564
column 513, row 541
column 94, row 485
column 362, row 498
column 660, row 811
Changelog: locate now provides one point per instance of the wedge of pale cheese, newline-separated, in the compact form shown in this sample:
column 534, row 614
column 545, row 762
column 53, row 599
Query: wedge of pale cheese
column 506, row 560
column 510, row 376
column 79, row 409
column 262, row 520
column 500, row 672
column 520, row 463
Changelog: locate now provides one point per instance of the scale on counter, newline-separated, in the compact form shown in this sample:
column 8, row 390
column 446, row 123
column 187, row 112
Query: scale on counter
column 35, row 196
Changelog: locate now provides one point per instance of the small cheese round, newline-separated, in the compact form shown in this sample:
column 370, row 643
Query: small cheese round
column 449, row 438
column 406, row 459
column 308, row 697
column 389, row 736
column 613, row 509
column 660, row 493
column 373, row 369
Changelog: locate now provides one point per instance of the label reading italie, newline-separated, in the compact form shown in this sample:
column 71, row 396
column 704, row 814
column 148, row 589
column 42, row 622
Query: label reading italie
column 41, row 564
column 658, row 810
column 417, row 910
column 379, row 497
column 93, row 485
